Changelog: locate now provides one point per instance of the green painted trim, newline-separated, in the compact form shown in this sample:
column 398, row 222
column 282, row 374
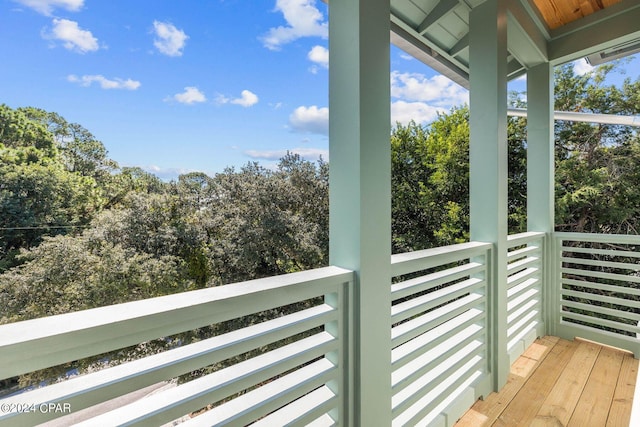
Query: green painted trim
column 360, row 196
column 488, row 164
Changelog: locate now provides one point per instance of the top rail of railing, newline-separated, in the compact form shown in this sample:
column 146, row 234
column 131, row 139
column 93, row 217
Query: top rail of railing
column 30, row 345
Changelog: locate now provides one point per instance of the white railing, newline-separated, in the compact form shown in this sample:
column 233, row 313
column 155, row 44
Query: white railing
column 525, row 275
column 598, row 288
column 285, row 369
column 440, row 335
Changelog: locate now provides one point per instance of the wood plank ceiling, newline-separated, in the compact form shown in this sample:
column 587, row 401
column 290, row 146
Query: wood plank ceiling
column 557, row 13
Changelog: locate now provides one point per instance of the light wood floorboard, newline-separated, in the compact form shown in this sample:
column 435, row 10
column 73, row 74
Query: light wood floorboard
column 561, row 383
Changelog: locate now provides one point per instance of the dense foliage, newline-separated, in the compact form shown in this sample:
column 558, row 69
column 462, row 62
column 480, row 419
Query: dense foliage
column 597, row 167
column 78, row 231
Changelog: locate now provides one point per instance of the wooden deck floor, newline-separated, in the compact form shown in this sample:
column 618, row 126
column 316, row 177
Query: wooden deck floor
column 561, row 383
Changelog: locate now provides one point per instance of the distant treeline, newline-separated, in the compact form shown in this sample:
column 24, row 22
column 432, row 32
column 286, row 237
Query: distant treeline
column 78, row 231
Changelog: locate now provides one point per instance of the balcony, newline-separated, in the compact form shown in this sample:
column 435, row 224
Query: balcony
column 298, row 368
column 376, row 339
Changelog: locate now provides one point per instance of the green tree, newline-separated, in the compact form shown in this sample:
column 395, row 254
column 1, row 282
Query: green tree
column 596, row 164
column 38, row 196
column 67, row 273
column 430, row 176
column 262, row 222
column 80, row 151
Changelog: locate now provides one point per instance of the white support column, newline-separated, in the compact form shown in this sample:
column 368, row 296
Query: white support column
column 360, row 191
column 541, row 177
column 488, row 163
column 540, row 150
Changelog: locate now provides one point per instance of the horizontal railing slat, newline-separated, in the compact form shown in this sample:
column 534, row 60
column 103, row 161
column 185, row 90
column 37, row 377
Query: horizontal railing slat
column 430, row 281
column 523, row 306
column 621, row 239
column 517, row 326
column 601, row 263
column 443, row 392
column 632, row 304
column 602, row 310
column 601, row 275
column 520, row 239
column 409, row 262
column 521, row 276
column 514, row 292
column 533, row 251
column 433, row 357
column 413, row 392
column 86, row 390
column 193, row 395
column 598, row 284
column 302, row 385
column 601, row 251
column 601, row 286
column 522, row 264
column 600, row 322
column 409, row 350
column 521, row 335
column 39, row 343
column 302, row 411
column 411, row 328
column 412, row 307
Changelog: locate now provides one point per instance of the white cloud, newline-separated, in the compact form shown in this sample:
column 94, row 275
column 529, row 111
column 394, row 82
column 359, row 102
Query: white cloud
column 310, row 119
column 319, row 55
column 72, row 36
column 417, row 98
column 420, row 98
column 46, row 7
column 105, row 83
column 246, row 99
column 169, row 40
column 582, row 67
column 191, row 95
column 420, row 112
column 303, row 20
column 438, row 90
column 306, row 153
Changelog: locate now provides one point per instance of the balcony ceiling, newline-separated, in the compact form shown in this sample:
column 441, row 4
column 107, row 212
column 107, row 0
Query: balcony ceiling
column 559, row 31
column 557, row 13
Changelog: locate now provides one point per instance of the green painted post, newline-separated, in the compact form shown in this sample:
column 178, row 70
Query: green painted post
column 488, row 163
column 360, row 191
column 540, row 160
column 540, row 176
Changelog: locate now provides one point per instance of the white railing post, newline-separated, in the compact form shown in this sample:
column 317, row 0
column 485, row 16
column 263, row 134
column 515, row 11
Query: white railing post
column 552, row 287
column 342, row 328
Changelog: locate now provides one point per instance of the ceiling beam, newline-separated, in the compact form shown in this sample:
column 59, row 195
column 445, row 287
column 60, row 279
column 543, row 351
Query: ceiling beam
column 514, row 67
column 460, row 45
column 402, row 37
column 407, row 39
column 603, row 30
column 528, row 33
column 443, row 8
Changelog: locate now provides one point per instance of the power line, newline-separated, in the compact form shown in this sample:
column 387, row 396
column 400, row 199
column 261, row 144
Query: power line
column 43, row 227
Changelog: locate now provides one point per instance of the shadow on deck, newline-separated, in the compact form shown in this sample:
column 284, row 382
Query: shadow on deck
column 562, row 383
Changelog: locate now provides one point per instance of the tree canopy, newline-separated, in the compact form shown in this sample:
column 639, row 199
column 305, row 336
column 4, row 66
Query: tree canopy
column 78, row 231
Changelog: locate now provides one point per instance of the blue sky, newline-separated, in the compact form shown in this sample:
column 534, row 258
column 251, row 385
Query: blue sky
column 192, row 85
